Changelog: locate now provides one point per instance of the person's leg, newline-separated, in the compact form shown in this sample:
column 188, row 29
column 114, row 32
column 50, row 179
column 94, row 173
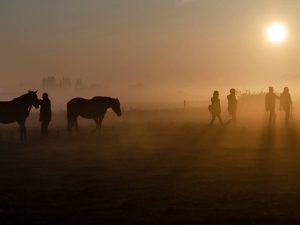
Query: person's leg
column 234, row 118
column 271, row 117
column 231, row 119
column 212, row 120
column 41, row 132
column 46, row 128
column 42, row 129
column 274, row 118
column 287, row 116
column 220, row 119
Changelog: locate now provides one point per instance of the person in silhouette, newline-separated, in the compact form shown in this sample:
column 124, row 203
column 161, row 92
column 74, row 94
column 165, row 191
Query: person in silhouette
column 232, row 106
column 45, row 115
column 286, row 104
column 270, row 103
column 215, row 108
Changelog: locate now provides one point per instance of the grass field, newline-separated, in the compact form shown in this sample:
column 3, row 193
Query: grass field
column 151, row 171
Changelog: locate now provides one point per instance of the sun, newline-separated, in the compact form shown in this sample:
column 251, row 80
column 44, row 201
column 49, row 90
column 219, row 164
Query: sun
column 276, row 33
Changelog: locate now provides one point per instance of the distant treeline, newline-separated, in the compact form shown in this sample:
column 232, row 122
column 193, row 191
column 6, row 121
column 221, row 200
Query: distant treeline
column 251, row 97
column 51, row 83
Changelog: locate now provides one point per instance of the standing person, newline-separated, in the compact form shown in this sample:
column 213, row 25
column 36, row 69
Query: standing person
column 215, row 108
column 286, row 103
column 232, row 105
column 45, row 115
column 270, row 103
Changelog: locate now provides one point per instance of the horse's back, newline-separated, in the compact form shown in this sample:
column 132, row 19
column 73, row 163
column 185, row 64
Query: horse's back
column 101, row 99
column 5, row 103
column 76, row 100
column 86, row 108
column 84, row 101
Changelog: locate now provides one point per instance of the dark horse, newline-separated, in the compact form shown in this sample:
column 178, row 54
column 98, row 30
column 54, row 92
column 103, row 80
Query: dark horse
column 18, row 109
column 94, row 108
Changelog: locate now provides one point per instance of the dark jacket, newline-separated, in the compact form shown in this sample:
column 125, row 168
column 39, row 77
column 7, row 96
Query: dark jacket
column 270, row 101
column 285, row 101
column 215, row 107
column 45, row 112
column 232, row 103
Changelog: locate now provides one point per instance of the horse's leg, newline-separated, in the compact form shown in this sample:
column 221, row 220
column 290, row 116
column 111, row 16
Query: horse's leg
column 96, row 128
column 100, row 119
column 25, row 132
column 70, row 125
column 76, row 125
column 22, row 131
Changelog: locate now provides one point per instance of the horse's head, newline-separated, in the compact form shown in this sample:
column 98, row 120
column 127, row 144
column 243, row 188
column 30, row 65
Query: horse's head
column 33, row 98
column 116, row 107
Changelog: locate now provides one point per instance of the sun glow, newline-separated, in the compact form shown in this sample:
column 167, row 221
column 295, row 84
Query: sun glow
column 276, row 33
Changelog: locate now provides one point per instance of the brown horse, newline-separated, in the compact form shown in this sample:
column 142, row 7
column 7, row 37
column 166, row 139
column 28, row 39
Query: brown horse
column 18, row 109
column 94, row 108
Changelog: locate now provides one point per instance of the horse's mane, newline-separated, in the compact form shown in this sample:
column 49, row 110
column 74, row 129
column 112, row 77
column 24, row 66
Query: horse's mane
column 20, row 97
column 103, row 98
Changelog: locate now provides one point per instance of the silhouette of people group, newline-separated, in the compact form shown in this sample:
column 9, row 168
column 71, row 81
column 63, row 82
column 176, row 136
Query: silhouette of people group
column 285, row 104
column 215, row 107
column 270, row 106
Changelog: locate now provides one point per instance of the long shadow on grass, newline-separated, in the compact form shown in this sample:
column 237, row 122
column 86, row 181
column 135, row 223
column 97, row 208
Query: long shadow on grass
column 195, row 148
column 268, row 138
column 265, row 157
column 290, row 137
column 187, row 148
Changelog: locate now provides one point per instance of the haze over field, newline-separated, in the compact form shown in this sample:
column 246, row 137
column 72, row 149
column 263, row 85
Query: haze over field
column 191, row 131
column 149, row 50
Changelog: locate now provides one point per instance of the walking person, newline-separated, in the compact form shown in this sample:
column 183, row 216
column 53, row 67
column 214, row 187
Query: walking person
column 45, row 115
column 286, row 104
column 270, row 103
column 215, row 108
column 232, row 106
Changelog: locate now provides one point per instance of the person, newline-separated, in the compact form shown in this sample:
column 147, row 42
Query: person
column 45, row 115
column 270, row 103
column 232, row 106
column 286, row 103
column 215, row 108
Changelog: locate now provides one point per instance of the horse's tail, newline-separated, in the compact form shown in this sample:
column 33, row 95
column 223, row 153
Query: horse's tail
column 69, row 117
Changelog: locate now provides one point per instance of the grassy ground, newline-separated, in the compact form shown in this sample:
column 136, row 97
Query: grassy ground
column 152, row 173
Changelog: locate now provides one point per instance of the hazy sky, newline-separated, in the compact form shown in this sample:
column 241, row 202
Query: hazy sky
column 180, row 46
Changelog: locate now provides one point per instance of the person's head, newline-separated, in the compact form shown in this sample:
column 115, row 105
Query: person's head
column 216, row 94
column 286, row 90
column 271, row 89
column 45, row 96
column 232, row 91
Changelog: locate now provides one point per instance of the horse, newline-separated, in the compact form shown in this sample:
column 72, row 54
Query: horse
column 18, row 109
column 94, row 108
